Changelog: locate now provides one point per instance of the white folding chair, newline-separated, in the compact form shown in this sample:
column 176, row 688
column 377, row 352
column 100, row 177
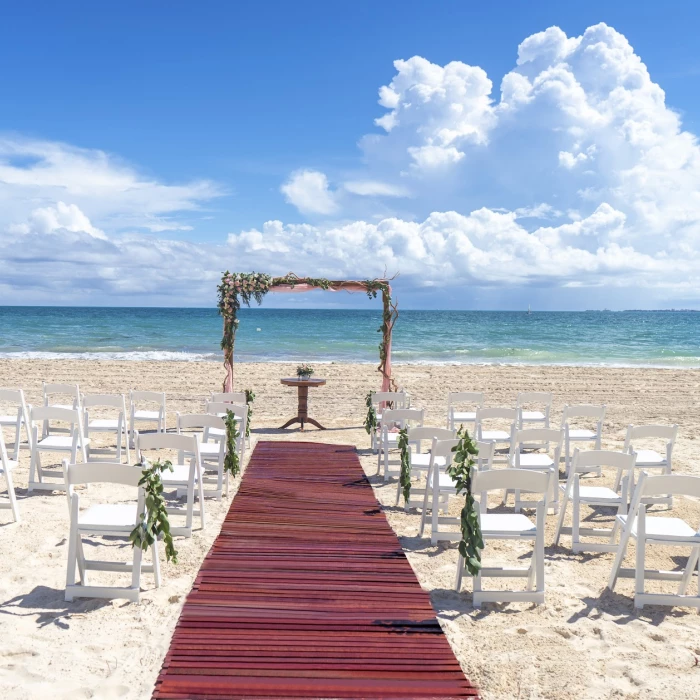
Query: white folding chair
column 392, row 420
column 664, row 531
column 589, row 414
column 212, row 453
column 420, row 461
column 72, row 444
column 18, row 418
column 238, row 398
column 6, row 467
column 470, row 399
column 529, row 400
column 651, row 459
column 382, row 400
column 489, row 433
column 186, row 474
column 220, row 409
column 510, row 526
column 440, row 486
column 113, row 520
column 142, row 415
column 593, row 496
column 521, row 457
column 116, row 425
column 71, row 392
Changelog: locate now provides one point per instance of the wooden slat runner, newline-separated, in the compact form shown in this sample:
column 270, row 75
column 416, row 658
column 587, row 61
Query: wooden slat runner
column 306, row 593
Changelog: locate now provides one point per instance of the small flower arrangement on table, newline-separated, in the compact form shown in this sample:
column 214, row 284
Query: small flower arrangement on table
column 305, row 371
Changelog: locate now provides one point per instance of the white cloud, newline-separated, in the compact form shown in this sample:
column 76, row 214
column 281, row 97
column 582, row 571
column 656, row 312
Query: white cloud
column 308, row 191
column 374, row 188
column 38, row 174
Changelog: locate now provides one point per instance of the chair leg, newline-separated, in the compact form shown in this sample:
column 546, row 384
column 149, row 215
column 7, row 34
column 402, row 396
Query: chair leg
column 435, row 514
column 12, row 496
column 136, row 568
column 81, row 559
column 688, row 573
column 425, row 505
column 72, row 557
column 641, row 552
column 575, row 515
column 18, row 433
column 155, row 554
column 460, row 572
column 200, row 491
column 560, row 520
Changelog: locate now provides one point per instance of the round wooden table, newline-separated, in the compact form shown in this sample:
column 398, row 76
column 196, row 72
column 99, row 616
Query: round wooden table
column 303, row 400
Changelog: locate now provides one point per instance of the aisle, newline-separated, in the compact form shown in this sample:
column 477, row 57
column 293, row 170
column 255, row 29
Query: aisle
column 306, row 593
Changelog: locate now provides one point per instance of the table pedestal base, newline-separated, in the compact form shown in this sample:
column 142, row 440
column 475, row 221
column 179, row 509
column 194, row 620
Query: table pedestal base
column 302, row 411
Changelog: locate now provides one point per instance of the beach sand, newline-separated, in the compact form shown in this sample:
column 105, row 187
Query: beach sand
column 584, row 643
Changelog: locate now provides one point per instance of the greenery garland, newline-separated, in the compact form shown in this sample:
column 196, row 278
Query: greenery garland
column 232, row 462
column 154, row 521
column 405, row 476
column 371, row 419
column 460, row 470
column 249, row 398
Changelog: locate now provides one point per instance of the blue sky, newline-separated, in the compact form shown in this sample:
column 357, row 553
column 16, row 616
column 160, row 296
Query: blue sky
column 216, row 118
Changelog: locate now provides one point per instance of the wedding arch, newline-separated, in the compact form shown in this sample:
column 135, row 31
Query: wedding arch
column 238, row 288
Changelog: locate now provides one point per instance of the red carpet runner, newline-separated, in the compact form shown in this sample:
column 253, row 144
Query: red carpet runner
column 306, row 593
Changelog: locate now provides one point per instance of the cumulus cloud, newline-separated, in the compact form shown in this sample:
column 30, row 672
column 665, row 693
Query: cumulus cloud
column 308, row 191
column 578, row 174
column 36, row 174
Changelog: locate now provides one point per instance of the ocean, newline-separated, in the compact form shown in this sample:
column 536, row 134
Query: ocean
column 628, row 338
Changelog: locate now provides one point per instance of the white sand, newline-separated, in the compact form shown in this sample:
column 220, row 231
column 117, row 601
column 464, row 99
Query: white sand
column 584, row 643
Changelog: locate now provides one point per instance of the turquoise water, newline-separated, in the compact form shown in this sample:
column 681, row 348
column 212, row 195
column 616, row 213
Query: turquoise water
column 646, row 338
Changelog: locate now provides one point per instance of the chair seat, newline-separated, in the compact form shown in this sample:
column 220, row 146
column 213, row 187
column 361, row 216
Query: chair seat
column 11, row 464
column 582, row 434
column 496, row 435
column 666, row 529
column 59, row 442
column 70, row 407
column 103, row 424
column 649, row 458
column 464, row 415
column 10, row 420
column 492, row 523
column 421, row 460
column 180, row 474
column 535, row 460
column 597, row 493
column 109, row 516
column 533, row 415
column 146, row 415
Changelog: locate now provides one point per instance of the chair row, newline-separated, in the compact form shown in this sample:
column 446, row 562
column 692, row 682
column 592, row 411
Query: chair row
column 78, row 443
column 531, row 470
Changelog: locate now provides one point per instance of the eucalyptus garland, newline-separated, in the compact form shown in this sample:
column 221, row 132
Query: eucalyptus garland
column 371, row 419
column 154, row 521
column 405, row 476
column 249, row 398
column 460, row 470
column 232, row 462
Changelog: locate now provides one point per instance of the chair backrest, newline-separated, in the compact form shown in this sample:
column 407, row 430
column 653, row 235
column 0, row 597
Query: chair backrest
column 443, row 448
column 473, row 398
column 401, row 415
column 3, row 454
column 487, row 450
column 12, row 395
column 166, row 441
column 662, row 485
column 542, row 398
column 150, row 396
column 190, row 421
column 583, row 411
column 114, row 400
column 585, row 459
column 397, row 398
column 651, row 432
column 62, row 389
column 519, row 479
column 218, row 407
column 68, row 415
column 537, row 436
column 420, row 433
column 509, row 414
column 237, row 397
column 101, row 472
